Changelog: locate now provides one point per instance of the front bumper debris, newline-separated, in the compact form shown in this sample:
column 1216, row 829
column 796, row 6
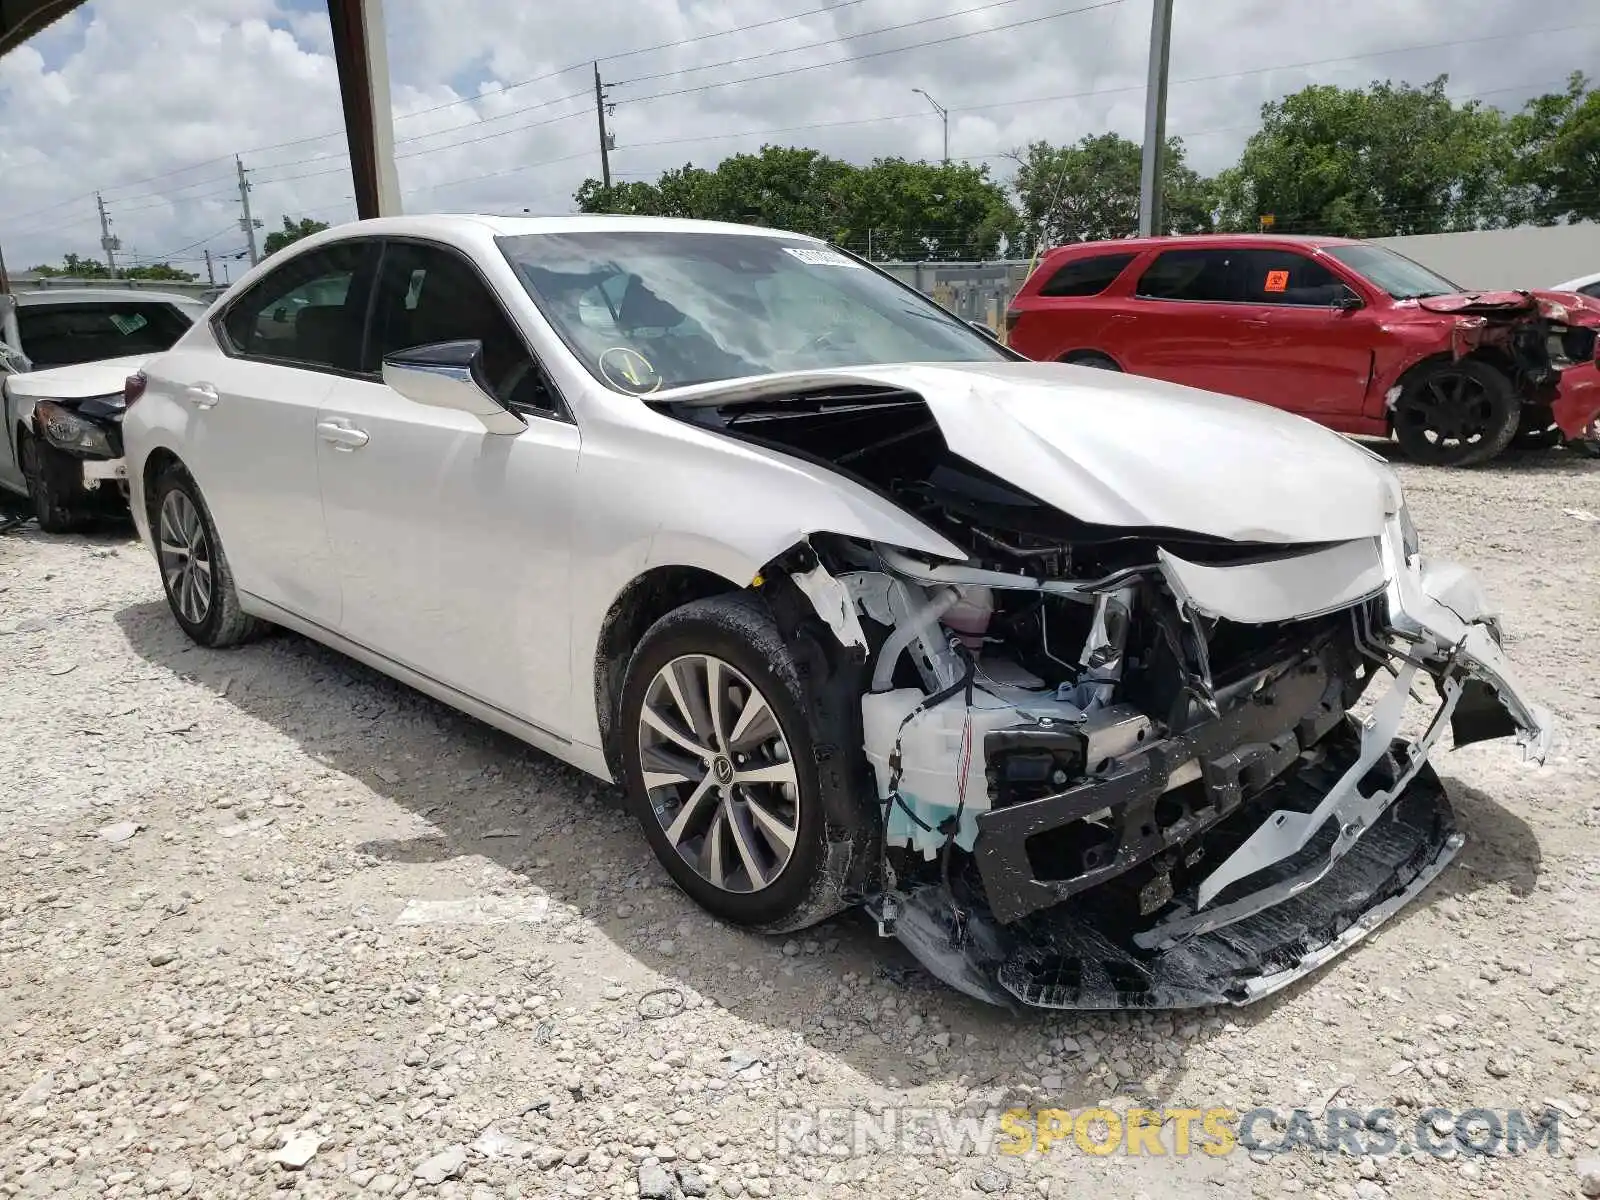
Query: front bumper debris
column 1219, row 865
column 97, row 469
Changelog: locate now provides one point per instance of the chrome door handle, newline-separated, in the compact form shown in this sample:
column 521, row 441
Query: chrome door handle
column 201, row 395
column 342, row 434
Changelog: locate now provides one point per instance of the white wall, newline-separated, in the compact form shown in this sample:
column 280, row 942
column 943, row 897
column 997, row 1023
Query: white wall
column 1528, row 257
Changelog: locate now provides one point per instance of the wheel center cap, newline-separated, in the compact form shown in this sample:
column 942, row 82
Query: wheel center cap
column 722, row 769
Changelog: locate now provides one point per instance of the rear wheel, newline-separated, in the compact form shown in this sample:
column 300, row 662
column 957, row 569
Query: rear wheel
column 720, row 764
column 194, row 569
column 1092, row 358
column 1457, row 414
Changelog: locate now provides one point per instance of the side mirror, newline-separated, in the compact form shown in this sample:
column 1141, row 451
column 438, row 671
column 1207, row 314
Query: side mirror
column 449, row 375
column 985, row 330
column 1348, row 301
column 280, row 314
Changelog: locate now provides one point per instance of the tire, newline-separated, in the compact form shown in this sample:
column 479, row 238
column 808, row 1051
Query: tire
column 1536, row 430
column 203, row 599
column 49, row 509
column 1457, row 414
column 791, row 887
column 1092, row 358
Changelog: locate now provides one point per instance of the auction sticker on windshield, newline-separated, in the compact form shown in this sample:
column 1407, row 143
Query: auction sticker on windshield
column 817, row 257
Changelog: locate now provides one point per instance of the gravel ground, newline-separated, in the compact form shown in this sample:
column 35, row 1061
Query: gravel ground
column 230, row 964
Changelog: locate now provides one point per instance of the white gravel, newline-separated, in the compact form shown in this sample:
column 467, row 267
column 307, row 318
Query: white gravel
column 206, row 988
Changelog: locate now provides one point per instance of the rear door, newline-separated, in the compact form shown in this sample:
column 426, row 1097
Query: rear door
column 452, row 543
column 1067, row 312
column 251, row 443
column 1309, row 357
column 1187, row 322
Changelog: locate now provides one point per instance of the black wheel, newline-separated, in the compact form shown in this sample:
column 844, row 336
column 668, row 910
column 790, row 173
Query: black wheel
column 194, row 570
column 1537, row 429
column 1457, row 414
column 720, row 765
column 49, row 507
column 1092, row 358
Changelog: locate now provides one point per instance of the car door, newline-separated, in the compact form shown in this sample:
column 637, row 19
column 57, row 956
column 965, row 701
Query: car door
column 1308, row 355
column 1185, row 322
column 452, row 542
column 251, row 444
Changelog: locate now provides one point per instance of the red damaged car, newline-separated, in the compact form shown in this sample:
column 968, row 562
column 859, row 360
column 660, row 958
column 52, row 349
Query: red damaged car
column 1347, row 333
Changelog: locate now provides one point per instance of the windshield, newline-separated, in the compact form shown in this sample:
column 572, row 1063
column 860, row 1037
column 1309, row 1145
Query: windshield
column 80, row 331
column 649, row 310
column 1394, row 273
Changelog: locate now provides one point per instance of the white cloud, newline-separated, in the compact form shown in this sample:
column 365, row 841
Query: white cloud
column 149, row 103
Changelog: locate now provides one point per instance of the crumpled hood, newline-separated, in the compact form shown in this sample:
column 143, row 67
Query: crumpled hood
column 1555, row 306
column 103, row 377
column 1115, row 449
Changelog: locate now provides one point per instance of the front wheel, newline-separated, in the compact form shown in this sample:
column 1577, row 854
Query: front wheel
column 719, row 760
column 50, row 509
column 194, row 570
column 1457, row 414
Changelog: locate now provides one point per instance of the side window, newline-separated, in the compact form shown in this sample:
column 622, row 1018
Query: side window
column 307, row 311
column 426, row 295
column 1189, row 275
column 1287, row 277
column 1592, row 290
column 1086, row 276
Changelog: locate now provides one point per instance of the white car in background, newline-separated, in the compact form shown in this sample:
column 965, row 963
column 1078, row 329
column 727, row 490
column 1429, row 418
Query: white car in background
column 1588, row 285
column 61, row 394
column 1050, row 668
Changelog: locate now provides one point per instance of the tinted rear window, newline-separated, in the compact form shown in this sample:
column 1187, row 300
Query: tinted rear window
column 1086, row 276
column 1189, row 275
column 63, row 335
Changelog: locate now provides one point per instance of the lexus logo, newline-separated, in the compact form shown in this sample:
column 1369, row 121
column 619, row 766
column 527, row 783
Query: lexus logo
column 723, row 770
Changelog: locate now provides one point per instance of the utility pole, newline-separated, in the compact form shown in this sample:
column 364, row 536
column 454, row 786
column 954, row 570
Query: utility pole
column 606, row 144
column 944, row 115
column 107, row 242
column 1152, row 159
column 211, row 274
column 246, row 222
column 9, row 333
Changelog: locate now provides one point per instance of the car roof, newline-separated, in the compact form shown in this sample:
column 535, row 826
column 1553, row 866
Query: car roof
column 1205, row 241
column 100, row 296
column 447, row 224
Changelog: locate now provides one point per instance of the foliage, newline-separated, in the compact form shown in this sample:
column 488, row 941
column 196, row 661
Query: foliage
column 1090, row 190
column 291, row 232
column 1557, row 139
column 1373, row 162
column 890, row 208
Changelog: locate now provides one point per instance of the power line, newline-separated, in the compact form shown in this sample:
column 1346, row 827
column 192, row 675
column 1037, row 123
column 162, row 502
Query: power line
column 815, row 45
column 940, row 41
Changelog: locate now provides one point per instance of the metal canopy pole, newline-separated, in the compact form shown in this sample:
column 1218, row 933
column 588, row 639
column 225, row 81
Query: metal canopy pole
column 1153, row 156
column 361, row 52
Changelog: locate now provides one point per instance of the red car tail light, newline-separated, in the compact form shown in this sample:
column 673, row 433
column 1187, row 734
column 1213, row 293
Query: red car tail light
column 133, row 387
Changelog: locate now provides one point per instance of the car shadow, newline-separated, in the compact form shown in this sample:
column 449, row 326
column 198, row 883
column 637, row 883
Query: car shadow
column 478, row 791
column 1560, row 461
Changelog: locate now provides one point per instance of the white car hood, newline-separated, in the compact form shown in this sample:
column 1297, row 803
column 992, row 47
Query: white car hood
column 104, row 377
column 1115, row 449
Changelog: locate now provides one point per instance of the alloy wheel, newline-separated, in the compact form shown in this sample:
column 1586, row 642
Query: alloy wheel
column 718, row 773
column 185, row 553
column 1452, row 410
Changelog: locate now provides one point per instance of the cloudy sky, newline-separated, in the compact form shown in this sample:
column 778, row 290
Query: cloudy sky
column 148, row 101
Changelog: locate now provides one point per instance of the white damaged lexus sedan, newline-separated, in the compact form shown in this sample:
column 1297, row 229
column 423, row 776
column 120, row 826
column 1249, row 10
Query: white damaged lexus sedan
column 1089, row 688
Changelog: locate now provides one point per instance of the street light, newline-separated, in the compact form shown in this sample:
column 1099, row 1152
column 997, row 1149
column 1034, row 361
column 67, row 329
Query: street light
column 944, row 115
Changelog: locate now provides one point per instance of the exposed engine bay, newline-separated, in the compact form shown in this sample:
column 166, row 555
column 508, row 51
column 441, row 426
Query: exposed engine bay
column 1122, row 767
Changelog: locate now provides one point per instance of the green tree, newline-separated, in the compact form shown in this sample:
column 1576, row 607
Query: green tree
column 898, row 208
column 74, row 267
column 1373, row 162
column 1090, row 191
column 291, row 232
column 159, row 271
column 1557, row 146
